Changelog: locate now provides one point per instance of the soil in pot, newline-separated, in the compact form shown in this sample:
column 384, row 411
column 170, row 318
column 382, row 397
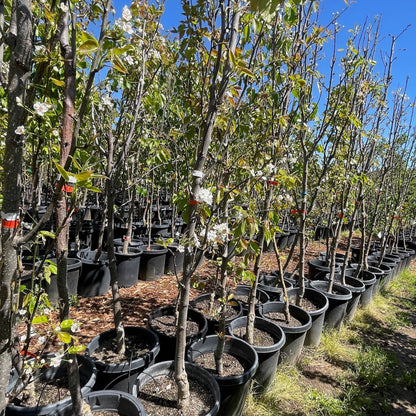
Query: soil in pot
column 211, row 311
column 162, row 322
column 242, row 293
column 119, row 372
column 156, row 389
column 107, row 351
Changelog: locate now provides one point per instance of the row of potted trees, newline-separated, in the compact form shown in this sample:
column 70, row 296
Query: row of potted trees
column 238, row 135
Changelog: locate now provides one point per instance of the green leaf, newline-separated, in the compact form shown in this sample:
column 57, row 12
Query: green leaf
column 83, row 176
column 88, row 47
column 41, row 319
column 52, row 267
column 47, row 234
column 66, row 325
column 62, row 171
column 76, row 349
column 119, row 65
column 58, row 82
column 246, row 71
column 64, row 337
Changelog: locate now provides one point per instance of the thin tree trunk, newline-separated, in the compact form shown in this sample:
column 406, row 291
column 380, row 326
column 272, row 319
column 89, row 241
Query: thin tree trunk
column 20, row 68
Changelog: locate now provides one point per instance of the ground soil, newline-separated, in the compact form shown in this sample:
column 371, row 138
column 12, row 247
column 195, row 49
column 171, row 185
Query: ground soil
column 95, row 316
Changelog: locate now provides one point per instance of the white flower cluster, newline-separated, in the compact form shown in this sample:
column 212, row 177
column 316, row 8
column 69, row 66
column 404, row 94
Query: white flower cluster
column 204, row 195
column 285, row 197
column 218, row 232
column 126, row 13
column 124, row 23
column 106, row 101
column 41, row 108
column 56, row 360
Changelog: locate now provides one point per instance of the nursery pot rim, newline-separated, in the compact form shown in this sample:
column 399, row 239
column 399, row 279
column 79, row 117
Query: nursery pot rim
column 229, row 340
column 133, row 364
column 262, row 323
column 347, row 295
column 295, row 311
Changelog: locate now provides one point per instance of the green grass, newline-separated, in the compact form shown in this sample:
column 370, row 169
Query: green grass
column 362, row 371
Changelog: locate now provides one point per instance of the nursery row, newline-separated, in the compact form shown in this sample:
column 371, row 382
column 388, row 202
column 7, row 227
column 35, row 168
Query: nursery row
column 141, row 381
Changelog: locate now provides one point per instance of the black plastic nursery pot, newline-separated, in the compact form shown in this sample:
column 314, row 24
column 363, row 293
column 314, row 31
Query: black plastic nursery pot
column 168, row 342
column 152, row 264
column 174, row 259
column 387, row 270
column 313, row 335
column 318, row 269
column 268, row 356
column 369, row 279
column 134, row 242
column 73, row 273
column 128, row 265
column 112, row 401
column 357, row 287
column 121, row 376
column 295, row 335
column 199, row 303
column 94, row 279
column 47, row 375
column 338, row 301
column 241, row 293
column 234, row 389
column 166, row 368
column 272, row 285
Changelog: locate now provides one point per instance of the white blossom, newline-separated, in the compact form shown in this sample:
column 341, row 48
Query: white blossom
column 22, row 312
column 75, row 327
column 126, row 14
column 181, row 249
column 204, row 195
column 41, row 108
column 211, row 236
column 55, row 133
column 106, row 100
column 129, row 60
column 41, row 340
column 127, row 27
column 270, row 168
column 221, row 231
column 56, row 360
column 40, row 49
column 20, row 130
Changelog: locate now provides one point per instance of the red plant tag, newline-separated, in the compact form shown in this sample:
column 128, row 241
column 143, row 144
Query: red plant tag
column 273, row 183
column 193, row 202
column 67, row 188
column 10, row 223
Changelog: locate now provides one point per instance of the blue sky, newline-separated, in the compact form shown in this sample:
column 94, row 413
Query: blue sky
column 395, row 17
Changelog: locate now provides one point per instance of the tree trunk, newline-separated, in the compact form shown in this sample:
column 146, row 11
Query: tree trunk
column 20, row 43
